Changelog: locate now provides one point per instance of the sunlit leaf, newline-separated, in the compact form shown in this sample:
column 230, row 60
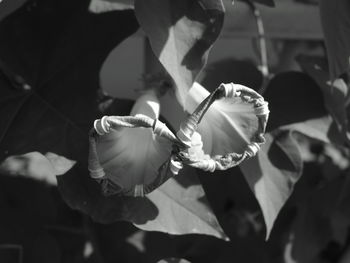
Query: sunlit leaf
column 37, row 166
column 336, row 28
column 181, row 34
column 273, row 173
column 183, row 208
column 101, row 6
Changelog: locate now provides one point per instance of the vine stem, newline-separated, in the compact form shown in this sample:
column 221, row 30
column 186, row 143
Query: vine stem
column 264, row 67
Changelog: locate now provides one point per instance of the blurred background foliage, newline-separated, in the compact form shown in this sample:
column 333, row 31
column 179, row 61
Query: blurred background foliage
column 64, row 64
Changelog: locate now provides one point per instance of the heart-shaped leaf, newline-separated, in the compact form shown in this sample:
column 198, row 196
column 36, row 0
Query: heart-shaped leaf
column 58, row 48
column 50, row 66
column 273, row 173
column 181, row 34
column 183, row 208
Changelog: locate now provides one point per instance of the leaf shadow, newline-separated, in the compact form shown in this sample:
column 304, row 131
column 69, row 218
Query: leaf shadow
column 230, row 70
column 203, row 18
column 293, row 97
column 83, row 193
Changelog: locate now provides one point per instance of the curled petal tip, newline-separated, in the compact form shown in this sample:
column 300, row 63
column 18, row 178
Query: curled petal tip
column 102, row 126
column 175, row 166
column 229, row 90
column 247, row 119
column 98, row 128
column 263, row 109
column 209, row 165
column 97, row 173
column 139, row 191
column 252, row 149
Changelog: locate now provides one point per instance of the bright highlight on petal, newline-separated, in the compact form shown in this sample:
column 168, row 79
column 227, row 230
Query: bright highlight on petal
column 132, row 157
column 136, row 161
column 229, row 125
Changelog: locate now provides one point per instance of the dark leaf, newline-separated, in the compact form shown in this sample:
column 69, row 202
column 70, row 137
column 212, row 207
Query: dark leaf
column 82, row 193
column 270, row 3
column 336, row 93
column 30, row 211
column 8, row 6
column 173, row 260
column 296, row 103
column 49, row 75
column 336, row 28
column 181, row 34
column 57, row 47
column 231, row 70
column 323, row 218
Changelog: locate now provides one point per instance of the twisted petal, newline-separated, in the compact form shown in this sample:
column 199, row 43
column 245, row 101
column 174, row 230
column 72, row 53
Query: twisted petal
column 228, row 126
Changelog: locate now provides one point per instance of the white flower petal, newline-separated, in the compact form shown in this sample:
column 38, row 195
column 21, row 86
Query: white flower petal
column 133, row 156
column 229, row 124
